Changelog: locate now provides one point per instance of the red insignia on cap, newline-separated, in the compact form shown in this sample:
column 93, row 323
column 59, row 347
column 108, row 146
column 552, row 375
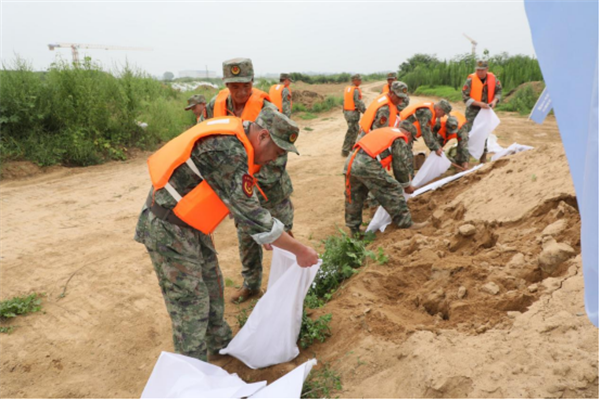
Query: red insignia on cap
column 293, row 137
column 465, row 87
column 382, row 120
column 247, row 185
column 235, row 70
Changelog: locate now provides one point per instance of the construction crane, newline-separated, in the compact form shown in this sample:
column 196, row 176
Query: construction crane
column 473, row 42
column 76, row 46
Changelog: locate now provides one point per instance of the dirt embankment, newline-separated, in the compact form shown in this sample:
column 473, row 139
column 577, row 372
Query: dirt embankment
column 494, row 309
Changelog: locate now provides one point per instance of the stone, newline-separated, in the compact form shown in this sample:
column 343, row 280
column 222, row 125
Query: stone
column 555, row 228
column 438, row 218
column 517, row 261
column 553, row 255
column 467, row 230
column 532, row 288
column 491, row 288
column 462, row 291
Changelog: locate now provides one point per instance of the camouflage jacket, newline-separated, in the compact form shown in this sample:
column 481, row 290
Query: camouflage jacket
column 286, row 102
column 466, row 92
column 423, row 115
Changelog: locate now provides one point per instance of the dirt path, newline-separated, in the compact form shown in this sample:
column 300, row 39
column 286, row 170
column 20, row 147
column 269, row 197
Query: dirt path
column 69, row 234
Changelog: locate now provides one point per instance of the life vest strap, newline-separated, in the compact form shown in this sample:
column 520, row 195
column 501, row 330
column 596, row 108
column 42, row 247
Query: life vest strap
column 174, row 193
column 163, row 213
column 194, row 168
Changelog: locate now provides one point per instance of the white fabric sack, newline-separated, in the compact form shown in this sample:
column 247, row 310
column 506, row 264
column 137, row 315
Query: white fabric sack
column 380, row 220
column 288, row 386
column 177, row 376
column 270, row 334
column 484, row 124
column 493, row 146
column 433, row 167
column 512, row 149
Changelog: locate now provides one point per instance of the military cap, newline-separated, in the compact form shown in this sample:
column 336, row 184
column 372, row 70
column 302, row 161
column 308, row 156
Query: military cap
column 283, row 130
column 444, row 105
column 283, row 76
column 195, row 99
column 451, row 125
column 481, row 64
column 400, row 89
column 407, row 126
column 391, row 75
column 238, row 70
column 356, row 77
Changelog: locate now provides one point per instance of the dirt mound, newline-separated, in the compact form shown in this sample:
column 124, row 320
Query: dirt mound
column 537, row 86
column 306, row 97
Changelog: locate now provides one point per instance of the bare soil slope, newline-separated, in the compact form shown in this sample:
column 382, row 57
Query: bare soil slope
column 447, row 316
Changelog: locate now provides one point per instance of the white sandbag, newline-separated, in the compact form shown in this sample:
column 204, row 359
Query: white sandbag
column 380, row 220
column 177, row 376
column 512, row 149
column 270, row 334
column 484, row 124
column 493, row 146
column 433, row 167
column 437, row 184
column 288, row 386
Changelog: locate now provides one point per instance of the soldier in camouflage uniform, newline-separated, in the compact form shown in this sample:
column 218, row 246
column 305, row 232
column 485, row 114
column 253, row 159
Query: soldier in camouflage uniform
column 353, row 116
column 273, row 178
column 286, row 94
column 424, row 116
column 197, row 103
column 184, row 259
column 399, row 96
column 367, row 175
column 462, row 138
column 474, row 106
column 391, row 78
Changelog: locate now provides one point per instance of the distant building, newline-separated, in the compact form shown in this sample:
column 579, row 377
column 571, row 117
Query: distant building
column 197, row 74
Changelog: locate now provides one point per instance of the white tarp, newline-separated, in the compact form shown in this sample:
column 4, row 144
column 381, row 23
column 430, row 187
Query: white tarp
column 177, row 376
column 484, row 124
column 512, row 149
column 270, row 334
column 493, row 146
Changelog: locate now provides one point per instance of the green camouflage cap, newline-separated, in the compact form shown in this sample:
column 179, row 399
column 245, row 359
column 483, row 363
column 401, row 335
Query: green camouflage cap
column 283, row 76
column 356, row 77
column 407, row 126
column 444, row 105
column 391, row 75
column 400, row 89
column 451, row 125
column 195, row 99
column 283, row 130
column 481, row 64
column 238, row 70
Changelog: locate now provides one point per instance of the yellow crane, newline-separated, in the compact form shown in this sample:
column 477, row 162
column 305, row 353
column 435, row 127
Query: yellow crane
column 473, row 43
column 76, row 46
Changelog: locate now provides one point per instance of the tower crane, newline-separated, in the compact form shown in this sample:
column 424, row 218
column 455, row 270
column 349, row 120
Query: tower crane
column 474, row 43
column 76, row 46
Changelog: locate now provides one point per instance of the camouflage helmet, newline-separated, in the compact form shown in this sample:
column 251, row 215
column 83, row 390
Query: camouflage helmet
column 400, row 89
column 238, row 70
column 407, row 126
column 481, row 64
column 356, row 77
column 195, row 99
column 451, row 125
column 283, row 130
column 444, row 105
column 391, row 75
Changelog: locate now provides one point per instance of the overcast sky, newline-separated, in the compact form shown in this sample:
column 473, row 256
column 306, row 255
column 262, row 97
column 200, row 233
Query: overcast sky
column 278, row 37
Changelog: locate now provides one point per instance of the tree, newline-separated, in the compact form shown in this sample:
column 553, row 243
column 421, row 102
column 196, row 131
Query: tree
column 168, row 76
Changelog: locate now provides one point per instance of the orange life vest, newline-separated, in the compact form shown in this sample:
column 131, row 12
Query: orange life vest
column 251, row 109
column 410, row 110
column 201, row 208
column 386, row 88
column 477, row 87
column 369, row 116
column 443, row 132
column 374, row 144
column 349, row 98
column 276, row 95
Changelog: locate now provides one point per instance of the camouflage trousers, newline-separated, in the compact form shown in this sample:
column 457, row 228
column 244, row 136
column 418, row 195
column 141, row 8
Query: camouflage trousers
column 386, row 190
column 191, row 284
column 352, row 118
column 460, row 154
column 251, row 252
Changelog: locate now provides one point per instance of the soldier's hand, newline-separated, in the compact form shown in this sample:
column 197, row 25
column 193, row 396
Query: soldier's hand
column 267, row 246
column 465, row 165
column 410, row 189
column 439, row 152
column 483, row 105
column 307, row 257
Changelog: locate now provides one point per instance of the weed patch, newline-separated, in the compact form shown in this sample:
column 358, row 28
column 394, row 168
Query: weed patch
column 446, row 92
column 321, row 383
column 312, row 330
column 20, row 305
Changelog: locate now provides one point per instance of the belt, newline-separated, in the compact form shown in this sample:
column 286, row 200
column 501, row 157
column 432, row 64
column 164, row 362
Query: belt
column 165, row 214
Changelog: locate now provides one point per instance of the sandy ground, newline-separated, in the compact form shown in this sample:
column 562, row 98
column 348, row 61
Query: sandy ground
column 402, row 329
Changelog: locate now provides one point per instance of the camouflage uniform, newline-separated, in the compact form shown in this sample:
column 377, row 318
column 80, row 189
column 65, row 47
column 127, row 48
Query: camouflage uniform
column 424, row 116
column 194, row 100
column 462, row 137
column 352, row 118
column 367, row 176
column 286, row 102
column 382, row 116
column 274, row 181
column 472, row 111
column 185, row 259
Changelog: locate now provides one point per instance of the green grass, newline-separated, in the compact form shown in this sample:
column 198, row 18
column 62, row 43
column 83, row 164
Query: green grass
column 244, row 313
column 307, row 116
column 445, row 92
column 229, row 282
column 15, row 306
column 522, row 101
column 327, row 104
column 308, row 128
column 321, row 383
column 312, row 330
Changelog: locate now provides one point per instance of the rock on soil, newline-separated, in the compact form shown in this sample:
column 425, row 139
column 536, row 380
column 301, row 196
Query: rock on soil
column 553, row 255
column 467, row 230
column 555, row 228
column 491, row 288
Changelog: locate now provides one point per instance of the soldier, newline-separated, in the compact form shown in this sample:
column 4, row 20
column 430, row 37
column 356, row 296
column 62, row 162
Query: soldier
column 281, row 94
column 365, row 173
column 242, row 100
column 198, row 179
column 391, row 78
column 197, row 103
column 423, row 116
column 453, row 126
column 353, row 106
column 383, row 111
column 481, row 90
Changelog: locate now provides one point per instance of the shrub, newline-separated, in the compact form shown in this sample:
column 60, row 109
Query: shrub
column 522, row 101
